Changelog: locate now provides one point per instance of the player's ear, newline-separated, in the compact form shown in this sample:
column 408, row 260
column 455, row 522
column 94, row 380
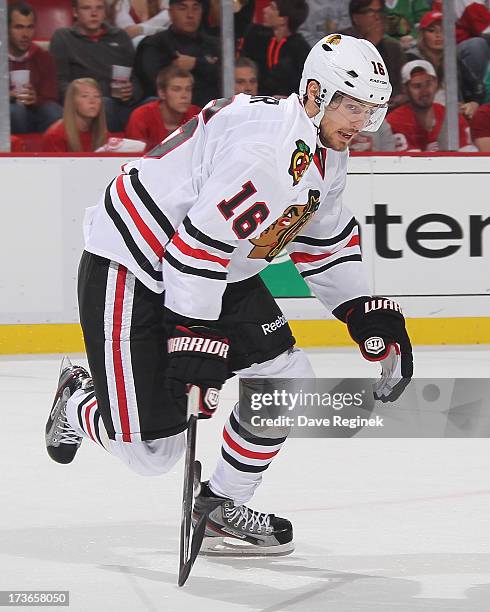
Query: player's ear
column 309, row 100
column 312, row 90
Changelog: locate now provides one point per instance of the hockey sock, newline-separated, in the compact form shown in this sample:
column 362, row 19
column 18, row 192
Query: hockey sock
column 244, row 458
column 84, row 416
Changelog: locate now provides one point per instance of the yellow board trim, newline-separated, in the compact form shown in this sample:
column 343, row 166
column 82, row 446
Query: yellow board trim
column 41, row 338
column 428, row 331
column 67, row 338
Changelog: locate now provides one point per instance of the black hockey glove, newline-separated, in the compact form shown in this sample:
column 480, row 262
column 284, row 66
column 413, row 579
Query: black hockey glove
column 378, row 326
column 196, row 356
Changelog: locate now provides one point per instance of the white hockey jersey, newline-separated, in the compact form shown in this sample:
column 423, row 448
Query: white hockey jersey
column 327, row 251
column 219, row 199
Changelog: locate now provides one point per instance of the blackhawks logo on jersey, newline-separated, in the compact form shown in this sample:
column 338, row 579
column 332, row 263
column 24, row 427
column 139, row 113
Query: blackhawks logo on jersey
column 300, row 161
column 272, row 240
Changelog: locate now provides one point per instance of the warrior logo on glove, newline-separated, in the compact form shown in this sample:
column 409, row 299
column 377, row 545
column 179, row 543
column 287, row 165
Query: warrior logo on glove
column 211, row 398
column 381, row 304
column 197, row 355
column 198, row 344
column 374, row 345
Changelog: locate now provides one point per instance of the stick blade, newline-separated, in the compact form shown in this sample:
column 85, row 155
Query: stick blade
column 197, row 538
column 184, row 572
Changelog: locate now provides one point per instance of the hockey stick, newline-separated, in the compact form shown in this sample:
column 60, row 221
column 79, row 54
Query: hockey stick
column 189, row 549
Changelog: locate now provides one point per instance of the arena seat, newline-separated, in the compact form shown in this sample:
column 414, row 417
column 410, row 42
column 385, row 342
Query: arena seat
column 51, row 15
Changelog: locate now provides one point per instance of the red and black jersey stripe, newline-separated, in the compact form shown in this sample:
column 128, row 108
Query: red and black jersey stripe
column 181, row 267
column 202, row 254
column 129, row 241
column 350, row 233
column 196, row 246
column 150, row 204
column 311, row 258
column 328, row 241
column 205, row 239
column 327, row 266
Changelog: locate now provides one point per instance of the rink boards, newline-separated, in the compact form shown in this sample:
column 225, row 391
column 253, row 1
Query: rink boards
column 425, row 224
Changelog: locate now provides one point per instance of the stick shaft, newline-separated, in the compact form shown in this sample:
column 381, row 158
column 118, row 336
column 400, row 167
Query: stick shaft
column 185, row 561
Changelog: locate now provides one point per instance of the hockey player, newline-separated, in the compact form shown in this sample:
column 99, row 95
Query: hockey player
column 169, row 292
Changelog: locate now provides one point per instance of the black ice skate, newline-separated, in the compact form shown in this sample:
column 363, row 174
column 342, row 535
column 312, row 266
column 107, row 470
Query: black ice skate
column 62, row 441
column 237, row 530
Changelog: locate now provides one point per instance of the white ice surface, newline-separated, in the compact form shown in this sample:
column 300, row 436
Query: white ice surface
column 395, row 525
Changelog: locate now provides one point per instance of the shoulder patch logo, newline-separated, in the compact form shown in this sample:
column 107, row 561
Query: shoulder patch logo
column 300, row 161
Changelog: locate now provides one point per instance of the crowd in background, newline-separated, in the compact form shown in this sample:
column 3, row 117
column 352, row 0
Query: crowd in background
column 129, row 72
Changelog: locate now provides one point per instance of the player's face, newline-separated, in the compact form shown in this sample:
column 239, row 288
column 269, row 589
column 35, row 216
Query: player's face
column 344, row 118
column 88, row 101
column 178, row 94
column 433, row 38
column 89, row 15
column 21, row 33
column 186, row 16
column 421, row 90
column 246, row 81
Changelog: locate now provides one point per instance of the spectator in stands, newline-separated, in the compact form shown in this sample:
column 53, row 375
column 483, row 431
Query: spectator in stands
column 480, row 128
column 402, row 18
column 90, row 49
column 373, row 142
column 277, row 47
column 83, row 127
column 243, row 14
column 182, row 45
column 431, row 48
column 472, row 33
column 325, row 17
column 417, row 124
column 473, row 19
column 34, row 107
column 139, row 18
column 246, row 76
column 155, row 120
column 368, row 21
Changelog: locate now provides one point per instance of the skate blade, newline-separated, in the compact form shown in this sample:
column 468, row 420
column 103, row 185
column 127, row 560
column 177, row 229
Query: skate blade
column 231, row 547
column 65, row 364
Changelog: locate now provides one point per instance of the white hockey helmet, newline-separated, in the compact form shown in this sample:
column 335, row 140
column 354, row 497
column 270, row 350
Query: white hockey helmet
column 351, row 66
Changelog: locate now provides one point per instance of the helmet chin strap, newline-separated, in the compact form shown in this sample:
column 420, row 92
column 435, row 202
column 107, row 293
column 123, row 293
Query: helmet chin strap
column 317, row 119
column 319, row 141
